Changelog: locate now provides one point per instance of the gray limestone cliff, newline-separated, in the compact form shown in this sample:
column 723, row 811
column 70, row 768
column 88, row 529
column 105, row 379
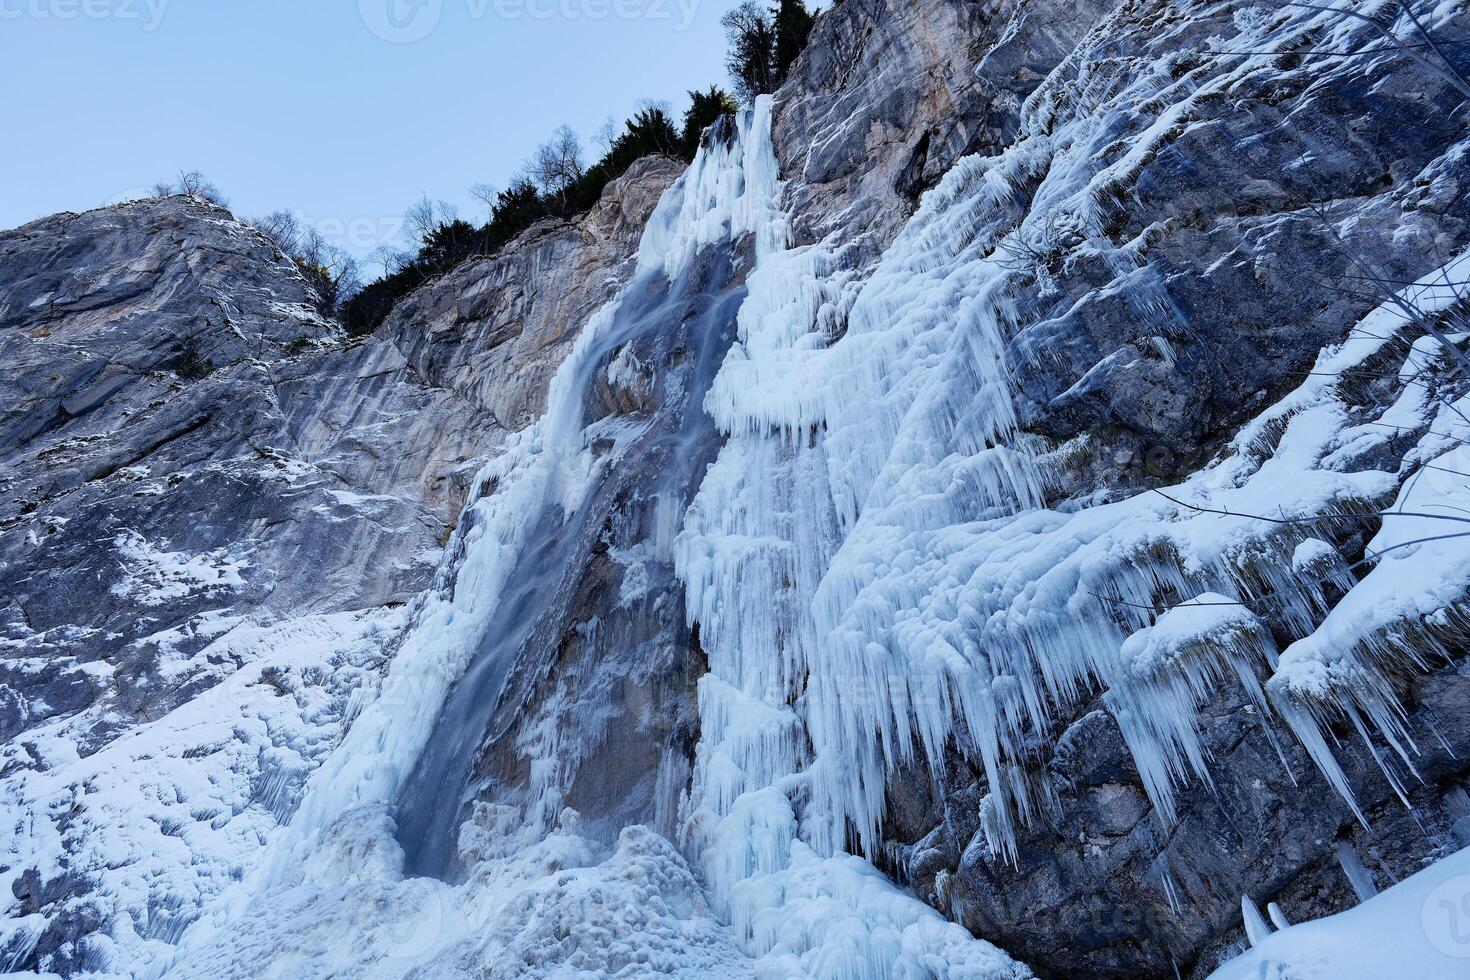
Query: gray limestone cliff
column 192, row 459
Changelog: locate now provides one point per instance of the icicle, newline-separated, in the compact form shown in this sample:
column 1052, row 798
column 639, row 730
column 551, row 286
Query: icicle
column 1278, row 917
column 1171, row 890
column 1357, row 874
column 1256, row 929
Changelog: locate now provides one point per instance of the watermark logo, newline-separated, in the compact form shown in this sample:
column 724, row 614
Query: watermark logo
column 1446, row 917
column 401, row 21
column 420, row 930
column 407, row 21
column 359, row 235
column 127, row 197
column 147, row 13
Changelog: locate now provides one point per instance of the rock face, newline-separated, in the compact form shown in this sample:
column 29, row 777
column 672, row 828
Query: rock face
column 214, row 509
column 193, row 463
column 1188, row 223
column 1101, row 888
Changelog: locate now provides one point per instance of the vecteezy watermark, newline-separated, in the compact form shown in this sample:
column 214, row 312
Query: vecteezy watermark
column 359, row 235
column 406, row 21
column 148, row 13
column 401, row 21
column 1446, row 917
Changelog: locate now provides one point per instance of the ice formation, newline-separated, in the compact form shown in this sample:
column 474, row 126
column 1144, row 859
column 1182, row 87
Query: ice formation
column 871, row 566
column 874, row 568
column 340, row 844
column 875, row 486
column 1420, row 928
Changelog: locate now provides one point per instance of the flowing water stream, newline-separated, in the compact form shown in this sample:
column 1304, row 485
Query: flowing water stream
column 663, row 347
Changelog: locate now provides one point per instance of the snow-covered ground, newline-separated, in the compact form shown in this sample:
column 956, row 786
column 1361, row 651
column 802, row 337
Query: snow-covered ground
column 1418, row 930
column 177, row 809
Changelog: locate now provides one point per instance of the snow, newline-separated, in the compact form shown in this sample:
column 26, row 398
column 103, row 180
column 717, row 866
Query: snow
column 537, row 906
column 153, row 576
column 172, row 812
column 1401, row 612
column 1419, row 928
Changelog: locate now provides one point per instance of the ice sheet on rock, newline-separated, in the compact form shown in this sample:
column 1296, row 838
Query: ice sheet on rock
column 552, row 460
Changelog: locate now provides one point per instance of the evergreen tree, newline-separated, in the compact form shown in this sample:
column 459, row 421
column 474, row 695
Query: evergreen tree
column 752, row 58
column 705, row 108
column 793, row 27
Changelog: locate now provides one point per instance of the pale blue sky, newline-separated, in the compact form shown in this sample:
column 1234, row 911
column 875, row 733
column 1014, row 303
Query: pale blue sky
column 299, row 104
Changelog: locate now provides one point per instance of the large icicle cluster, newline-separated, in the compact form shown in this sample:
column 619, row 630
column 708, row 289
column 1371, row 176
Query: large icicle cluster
column 336, row 895
column 757, row 541
column 876, row 581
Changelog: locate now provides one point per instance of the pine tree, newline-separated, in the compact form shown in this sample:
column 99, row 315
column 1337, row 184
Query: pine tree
column 792, row 28
column 752, row 57
column 705, row 108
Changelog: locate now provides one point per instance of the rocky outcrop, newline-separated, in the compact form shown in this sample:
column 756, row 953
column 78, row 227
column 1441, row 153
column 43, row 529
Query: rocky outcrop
column 493, row 332
column 889, row 96
column 190, row 456
column 1102, row 888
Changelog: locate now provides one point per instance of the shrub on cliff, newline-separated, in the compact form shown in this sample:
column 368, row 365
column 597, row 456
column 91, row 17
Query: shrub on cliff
column 192, row 184
column 331, row 273
column 553, row 182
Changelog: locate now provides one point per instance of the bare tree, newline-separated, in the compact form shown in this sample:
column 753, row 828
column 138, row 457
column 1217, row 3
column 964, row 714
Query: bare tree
column 393, row 260
column 426, row 216
column 282, row 228
column 557, row 164
column 332, row 274
column 420, row 218
column 607, row 135
column 191, row 183
column 486, row 194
